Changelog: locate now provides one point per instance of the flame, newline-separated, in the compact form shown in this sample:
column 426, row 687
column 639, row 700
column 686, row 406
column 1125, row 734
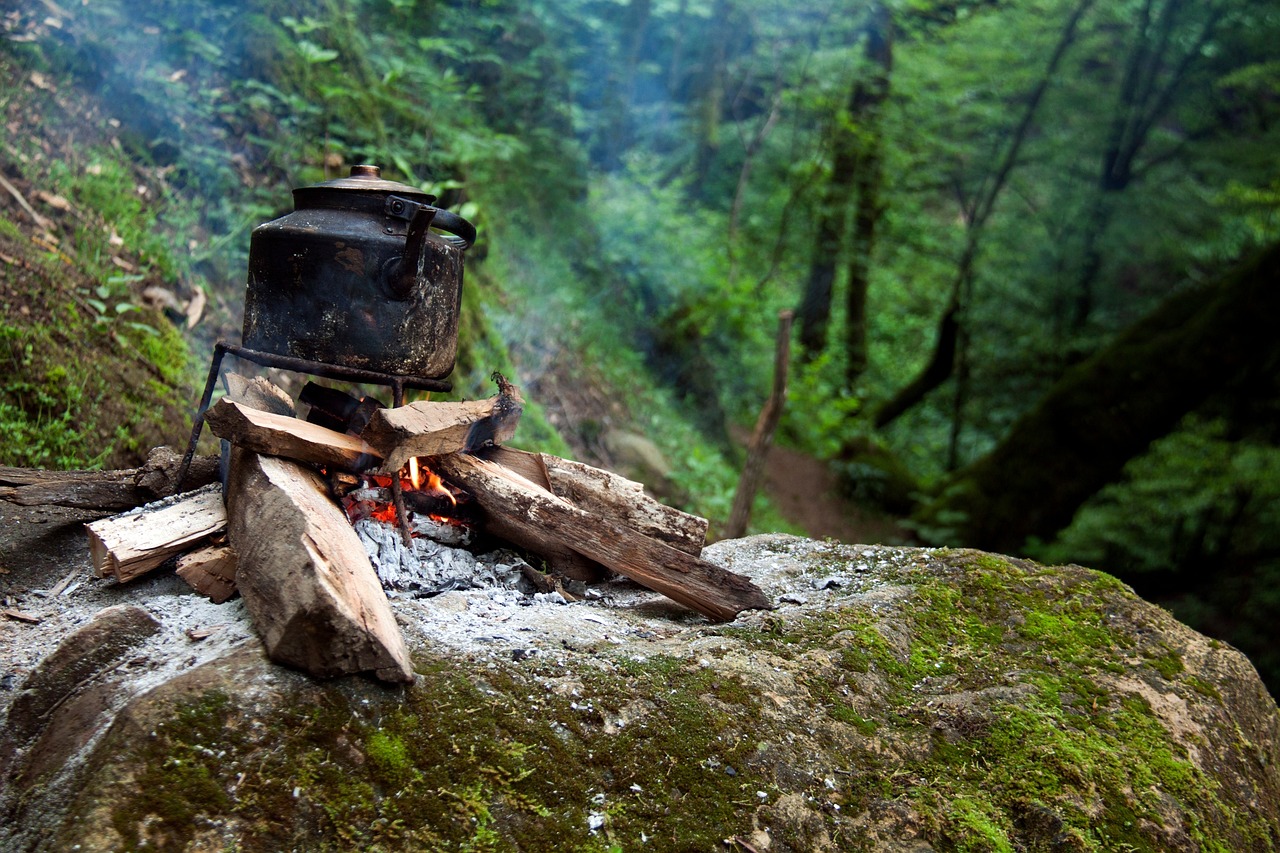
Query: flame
column 414, row 476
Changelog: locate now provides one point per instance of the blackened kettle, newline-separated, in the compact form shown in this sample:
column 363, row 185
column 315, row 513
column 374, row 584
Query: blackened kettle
column 355, row 276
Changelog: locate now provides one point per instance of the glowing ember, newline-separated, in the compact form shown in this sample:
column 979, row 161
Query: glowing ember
column 373, row 500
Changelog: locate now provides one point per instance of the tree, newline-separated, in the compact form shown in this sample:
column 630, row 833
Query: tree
column 855, row 176
column 1108, row 409
column 977, row 209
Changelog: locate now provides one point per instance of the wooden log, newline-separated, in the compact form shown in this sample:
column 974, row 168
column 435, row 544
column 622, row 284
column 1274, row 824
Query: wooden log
column 105, row 491
column 280, row 435
column 211, row 571
column 608, row 495
column 560, row 559
column 424, row 429
column 259, row 393
column 306, row 580
column 538, row 516
column 129, row 545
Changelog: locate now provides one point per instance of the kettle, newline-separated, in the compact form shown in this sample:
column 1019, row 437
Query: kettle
column 356, row 276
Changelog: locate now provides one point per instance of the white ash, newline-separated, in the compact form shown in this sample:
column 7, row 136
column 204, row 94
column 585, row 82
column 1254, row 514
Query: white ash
column 427, row 567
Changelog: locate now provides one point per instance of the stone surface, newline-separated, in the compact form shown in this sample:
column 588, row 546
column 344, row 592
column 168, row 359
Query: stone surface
column 898, row 699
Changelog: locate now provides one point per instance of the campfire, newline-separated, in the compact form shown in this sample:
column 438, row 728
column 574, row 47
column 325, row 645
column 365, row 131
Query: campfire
column 313, row 514
column 294, row 539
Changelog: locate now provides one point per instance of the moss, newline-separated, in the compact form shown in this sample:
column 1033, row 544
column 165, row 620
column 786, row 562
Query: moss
column 484, row 756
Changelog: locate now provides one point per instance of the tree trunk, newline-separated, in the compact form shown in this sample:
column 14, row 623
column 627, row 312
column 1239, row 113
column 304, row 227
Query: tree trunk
column 1149, row 88
column 869, row 100
column 762, row 436
column 1107, row 410
column 977, row 211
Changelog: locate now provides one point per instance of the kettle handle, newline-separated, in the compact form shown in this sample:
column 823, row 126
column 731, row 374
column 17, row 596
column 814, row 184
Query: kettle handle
column 463, row 232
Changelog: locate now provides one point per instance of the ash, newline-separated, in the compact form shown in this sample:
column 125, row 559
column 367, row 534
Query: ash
column 428, row 567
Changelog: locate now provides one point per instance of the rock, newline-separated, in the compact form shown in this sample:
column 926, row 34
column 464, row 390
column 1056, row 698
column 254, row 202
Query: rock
column 935, row 700
column 638, row 458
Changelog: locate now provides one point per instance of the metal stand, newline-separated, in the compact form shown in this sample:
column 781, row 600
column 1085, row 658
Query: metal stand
column 297, row 365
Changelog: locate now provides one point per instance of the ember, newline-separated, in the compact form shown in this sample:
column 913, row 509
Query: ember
column 425, row 494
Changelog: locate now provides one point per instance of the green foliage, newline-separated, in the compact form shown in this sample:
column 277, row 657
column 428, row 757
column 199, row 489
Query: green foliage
column 1194, row 524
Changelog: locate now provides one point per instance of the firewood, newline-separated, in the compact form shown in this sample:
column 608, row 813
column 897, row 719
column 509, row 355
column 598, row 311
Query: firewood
column 561, row 560
column 424, row 429
column 211, row 571
column 129, row 545
column 104, row 491
column 537, row 516
column 606, row 495
column 500, row 426
column 259, row 393
column 278, row 435
column 306, row 580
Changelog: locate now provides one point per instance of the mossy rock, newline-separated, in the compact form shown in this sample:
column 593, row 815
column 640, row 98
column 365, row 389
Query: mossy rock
column 896, row 699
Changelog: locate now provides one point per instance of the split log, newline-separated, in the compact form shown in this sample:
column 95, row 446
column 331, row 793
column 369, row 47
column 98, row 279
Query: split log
column 280, row 435
column 606, row 495
column 431, row 429
column 105, row 491
column 211, row 571
column 537, row 517
column 560, row 559
column 129, row 545
column 306, row 580
column 259, row 393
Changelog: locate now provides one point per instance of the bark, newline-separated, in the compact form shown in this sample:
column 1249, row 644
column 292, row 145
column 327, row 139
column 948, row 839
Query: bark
column 869, row 100
column 1107, row 410
column 105, row 491
column 306, row 580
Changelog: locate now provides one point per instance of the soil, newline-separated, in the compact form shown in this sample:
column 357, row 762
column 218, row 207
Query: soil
column 807, row 494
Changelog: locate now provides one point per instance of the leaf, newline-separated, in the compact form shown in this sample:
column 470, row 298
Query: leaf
column 314, row 54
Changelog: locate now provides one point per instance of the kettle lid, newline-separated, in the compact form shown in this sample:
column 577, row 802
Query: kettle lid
column 368, row 178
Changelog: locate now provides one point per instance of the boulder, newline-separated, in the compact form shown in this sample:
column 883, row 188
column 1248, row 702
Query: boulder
column 897, row 699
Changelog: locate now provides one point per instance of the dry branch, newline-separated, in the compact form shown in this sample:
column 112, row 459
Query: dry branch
column 762, row 437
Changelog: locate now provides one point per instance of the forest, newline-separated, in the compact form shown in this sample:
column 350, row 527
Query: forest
column 1032, row 248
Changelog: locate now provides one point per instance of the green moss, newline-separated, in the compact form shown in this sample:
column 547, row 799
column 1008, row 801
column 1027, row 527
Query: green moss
column 491, row 757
